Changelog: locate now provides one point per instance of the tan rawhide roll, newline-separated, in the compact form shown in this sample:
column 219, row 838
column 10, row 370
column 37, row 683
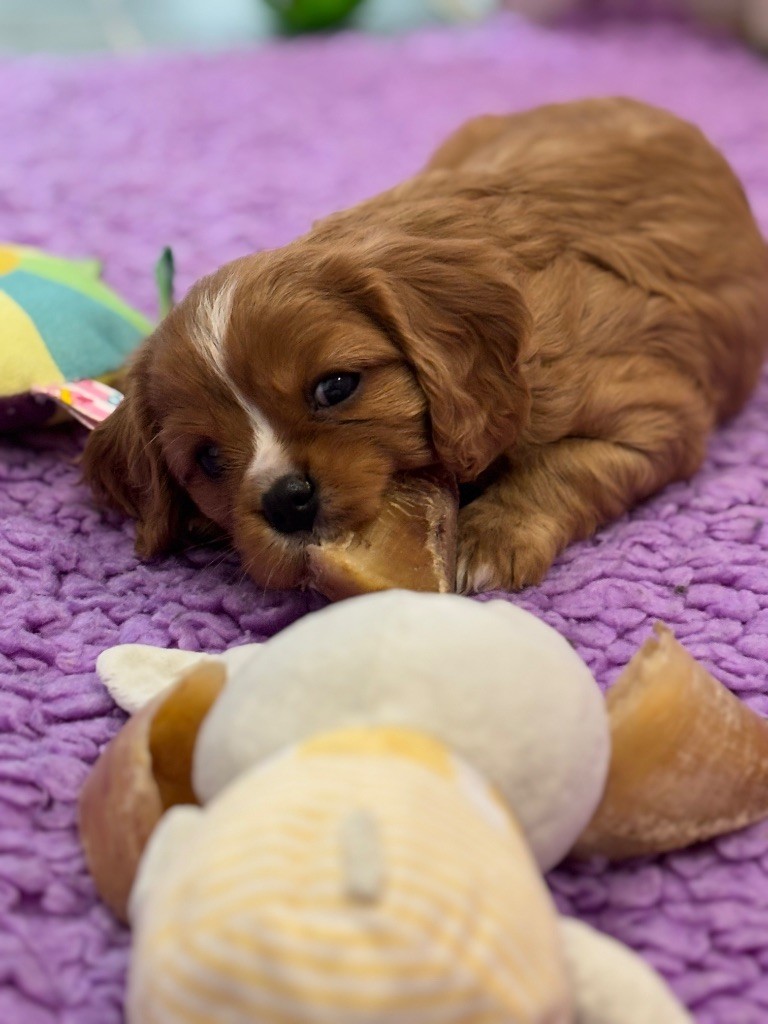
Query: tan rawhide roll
column 143, row 771
column 411, row 545
column 689, row 760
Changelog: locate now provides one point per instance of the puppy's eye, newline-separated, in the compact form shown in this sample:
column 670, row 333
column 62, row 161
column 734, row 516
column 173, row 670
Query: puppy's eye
column 336, row 388
column 208, row 457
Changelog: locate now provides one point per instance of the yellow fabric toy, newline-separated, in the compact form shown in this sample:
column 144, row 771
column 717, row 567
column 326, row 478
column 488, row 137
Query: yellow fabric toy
column 367, row 875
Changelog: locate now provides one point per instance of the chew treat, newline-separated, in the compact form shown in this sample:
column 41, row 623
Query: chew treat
column 411, row 545
column 143, row 771
column 689, row 761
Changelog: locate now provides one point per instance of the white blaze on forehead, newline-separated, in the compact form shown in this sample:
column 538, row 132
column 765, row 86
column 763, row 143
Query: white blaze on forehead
column 271, row 459
column 210, row 322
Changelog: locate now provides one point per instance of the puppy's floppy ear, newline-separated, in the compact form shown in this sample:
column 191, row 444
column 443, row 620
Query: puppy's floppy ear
column 125, row 467
column 460, row 322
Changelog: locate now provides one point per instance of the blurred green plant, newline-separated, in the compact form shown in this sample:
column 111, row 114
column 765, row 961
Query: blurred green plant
column 311, row 15
column 165, row 271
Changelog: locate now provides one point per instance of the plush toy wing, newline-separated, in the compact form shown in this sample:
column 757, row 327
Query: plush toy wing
column 134, row 674
column 612, row 984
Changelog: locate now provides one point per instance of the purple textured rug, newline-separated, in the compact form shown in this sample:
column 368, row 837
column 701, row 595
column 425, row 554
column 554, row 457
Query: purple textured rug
column 218, row 156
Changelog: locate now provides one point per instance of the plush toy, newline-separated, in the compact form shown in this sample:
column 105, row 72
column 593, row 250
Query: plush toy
column 381, row 785
column 61, row 324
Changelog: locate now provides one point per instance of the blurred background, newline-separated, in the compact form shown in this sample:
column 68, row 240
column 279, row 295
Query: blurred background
column 79, row 26
column 124, row 25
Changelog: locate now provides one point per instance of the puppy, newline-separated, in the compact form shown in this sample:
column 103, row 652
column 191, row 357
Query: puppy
column 558, row 309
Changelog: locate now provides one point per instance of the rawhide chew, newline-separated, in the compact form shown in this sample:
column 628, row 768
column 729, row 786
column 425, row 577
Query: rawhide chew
column 689, row 760
column 411, row 545
column 143, row 771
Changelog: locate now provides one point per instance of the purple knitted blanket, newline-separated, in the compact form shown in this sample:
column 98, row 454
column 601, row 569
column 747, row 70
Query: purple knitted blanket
column 218, row 156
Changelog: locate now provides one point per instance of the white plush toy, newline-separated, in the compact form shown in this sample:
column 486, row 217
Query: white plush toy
column 382, row 785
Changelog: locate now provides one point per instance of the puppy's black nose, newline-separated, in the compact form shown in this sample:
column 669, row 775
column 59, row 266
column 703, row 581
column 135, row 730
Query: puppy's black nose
column 290, row 504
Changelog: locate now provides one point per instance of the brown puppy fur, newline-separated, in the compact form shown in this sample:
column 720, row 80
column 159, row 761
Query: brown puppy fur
column 558, row 308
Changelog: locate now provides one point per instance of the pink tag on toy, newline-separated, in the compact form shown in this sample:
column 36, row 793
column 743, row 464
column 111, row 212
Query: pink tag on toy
column 89, row 401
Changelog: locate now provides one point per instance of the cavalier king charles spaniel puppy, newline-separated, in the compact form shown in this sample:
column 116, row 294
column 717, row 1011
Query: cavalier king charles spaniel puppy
column 557, row 309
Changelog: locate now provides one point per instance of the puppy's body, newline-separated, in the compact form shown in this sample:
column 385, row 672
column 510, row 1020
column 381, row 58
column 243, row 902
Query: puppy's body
column 559, row 307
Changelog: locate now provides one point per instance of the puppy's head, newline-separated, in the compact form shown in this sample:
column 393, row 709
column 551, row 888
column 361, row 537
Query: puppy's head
column 280, row 396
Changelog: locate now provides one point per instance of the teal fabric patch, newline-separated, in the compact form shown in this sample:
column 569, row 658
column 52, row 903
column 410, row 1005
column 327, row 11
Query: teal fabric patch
column 84, row 337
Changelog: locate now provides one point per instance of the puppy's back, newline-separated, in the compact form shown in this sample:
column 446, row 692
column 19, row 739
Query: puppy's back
column 555, row 135
column 642, row 194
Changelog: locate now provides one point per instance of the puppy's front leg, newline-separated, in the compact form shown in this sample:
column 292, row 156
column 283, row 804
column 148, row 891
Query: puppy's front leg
column 550, row 495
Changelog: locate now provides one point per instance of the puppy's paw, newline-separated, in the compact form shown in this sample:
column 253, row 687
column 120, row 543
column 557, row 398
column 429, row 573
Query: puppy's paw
column 499, row 551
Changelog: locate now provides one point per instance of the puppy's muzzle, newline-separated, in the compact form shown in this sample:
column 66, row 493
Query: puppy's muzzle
column 291, row 504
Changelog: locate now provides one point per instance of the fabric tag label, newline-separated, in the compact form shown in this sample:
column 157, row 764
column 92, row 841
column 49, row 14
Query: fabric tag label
column 89, row 401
